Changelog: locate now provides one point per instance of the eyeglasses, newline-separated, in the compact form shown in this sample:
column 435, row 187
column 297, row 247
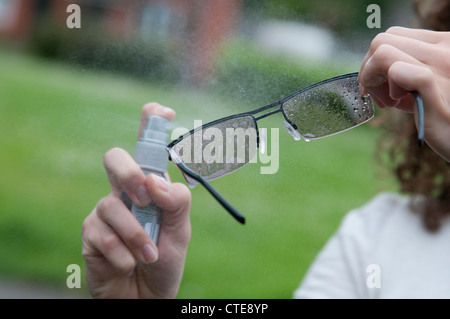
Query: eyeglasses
column 225, row 145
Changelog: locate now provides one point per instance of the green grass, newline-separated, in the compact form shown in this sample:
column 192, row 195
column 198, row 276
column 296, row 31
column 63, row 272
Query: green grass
column 56, row 123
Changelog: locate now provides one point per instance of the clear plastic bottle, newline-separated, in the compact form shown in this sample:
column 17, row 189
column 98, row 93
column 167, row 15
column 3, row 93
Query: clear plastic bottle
column 152, row 157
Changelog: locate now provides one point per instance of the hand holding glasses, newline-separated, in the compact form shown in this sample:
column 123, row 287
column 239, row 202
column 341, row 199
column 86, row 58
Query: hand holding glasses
column 322, row 109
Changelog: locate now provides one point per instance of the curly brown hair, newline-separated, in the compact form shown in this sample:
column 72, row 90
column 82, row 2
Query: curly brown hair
column 420, row 170
column 432, row 14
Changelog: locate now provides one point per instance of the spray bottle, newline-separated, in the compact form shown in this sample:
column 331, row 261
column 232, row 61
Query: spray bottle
column 152, row 157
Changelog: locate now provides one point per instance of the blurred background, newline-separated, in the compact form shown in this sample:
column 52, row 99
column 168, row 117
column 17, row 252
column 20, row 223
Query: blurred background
column 67, row 95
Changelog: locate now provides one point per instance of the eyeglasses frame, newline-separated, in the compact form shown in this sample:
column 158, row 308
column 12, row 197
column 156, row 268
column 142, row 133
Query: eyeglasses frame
column 233, row 211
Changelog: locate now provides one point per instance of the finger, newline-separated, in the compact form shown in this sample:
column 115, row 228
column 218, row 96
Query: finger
column 102, row 246
column 374, row 71
column 175, row 201
column 374, row 79
column 406, row 104
column 437, row 113
column 420, row 79
column 421, row 50
column 113, row 213
column 169, row 196
column 417, row 43
column 428, row 36
column 125, row 174
column 154, row 109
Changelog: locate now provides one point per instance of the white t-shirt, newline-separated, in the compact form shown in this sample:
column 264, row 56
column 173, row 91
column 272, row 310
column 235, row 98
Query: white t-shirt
column 382, row 250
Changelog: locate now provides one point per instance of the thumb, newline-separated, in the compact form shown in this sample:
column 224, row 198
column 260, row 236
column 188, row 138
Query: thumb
column 173, row 198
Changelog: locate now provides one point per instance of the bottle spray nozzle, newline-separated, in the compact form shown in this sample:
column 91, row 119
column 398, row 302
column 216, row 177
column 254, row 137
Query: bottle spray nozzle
column 156, row 130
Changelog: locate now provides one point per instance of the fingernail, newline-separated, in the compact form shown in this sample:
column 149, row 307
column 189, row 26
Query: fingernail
column 162, row 183
column 168, row 109
column 142, row 195
column 150, row 254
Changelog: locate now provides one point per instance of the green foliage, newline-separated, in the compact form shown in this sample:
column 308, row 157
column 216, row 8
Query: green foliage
column 91, row 48
column 340, row 16
column 256, row 77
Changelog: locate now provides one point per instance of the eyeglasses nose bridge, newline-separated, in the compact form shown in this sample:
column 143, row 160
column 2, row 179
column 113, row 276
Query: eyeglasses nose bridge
column 291, row 130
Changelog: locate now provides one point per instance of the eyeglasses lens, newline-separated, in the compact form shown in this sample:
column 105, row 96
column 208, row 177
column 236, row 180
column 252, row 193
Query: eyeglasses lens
column 218, row 149
column 329, row 108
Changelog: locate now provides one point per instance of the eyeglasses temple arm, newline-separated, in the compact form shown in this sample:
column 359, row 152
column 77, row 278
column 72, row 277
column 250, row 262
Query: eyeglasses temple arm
column 238, row 216
column 421, row 116
column 233, row 212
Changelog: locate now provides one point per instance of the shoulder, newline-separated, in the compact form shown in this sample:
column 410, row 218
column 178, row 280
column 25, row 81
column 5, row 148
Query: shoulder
column 370, row 218
column 340, row 269
column 363, row 229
